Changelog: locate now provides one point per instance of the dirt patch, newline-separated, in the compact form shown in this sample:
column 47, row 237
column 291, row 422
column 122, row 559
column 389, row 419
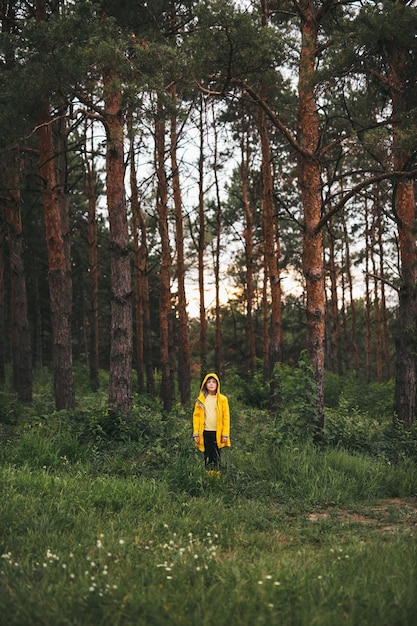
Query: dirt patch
column 386, row 515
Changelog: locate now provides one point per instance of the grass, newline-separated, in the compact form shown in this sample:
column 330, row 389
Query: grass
column 87, row 550
column 122, row 526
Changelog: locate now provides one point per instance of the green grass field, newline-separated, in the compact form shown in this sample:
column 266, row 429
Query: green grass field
column 124, row 527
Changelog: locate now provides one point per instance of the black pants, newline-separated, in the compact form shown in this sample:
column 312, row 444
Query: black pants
column 211, row 449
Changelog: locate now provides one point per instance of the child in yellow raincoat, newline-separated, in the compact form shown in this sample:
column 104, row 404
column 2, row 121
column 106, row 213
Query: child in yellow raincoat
column 211, row 421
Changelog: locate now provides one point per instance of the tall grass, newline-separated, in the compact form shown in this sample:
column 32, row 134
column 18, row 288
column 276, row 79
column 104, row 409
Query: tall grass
column 118, row 523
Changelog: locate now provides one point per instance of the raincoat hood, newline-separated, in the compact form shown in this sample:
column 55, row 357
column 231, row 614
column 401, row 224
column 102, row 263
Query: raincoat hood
column 206, row 377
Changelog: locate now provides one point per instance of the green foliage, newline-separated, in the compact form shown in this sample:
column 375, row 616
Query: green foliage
column 129, row 529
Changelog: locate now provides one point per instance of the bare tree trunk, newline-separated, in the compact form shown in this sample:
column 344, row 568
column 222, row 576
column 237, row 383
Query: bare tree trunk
column 135, row 207
column 310, row 187
column 377, row 309
column 21, row 352
column 265, row 323
column 271, row 249
column 2, row 308
column 92, row 235
column 218, row 343
column 184, row 352
column 384, row 320
column 334, row 325
column 120, row 384
column 368, row 329
column 351, row 297
column 248, row 239
column 202, row 247
column 404, row 198
column 59, row 278
column 142, row 308
column 167, row 385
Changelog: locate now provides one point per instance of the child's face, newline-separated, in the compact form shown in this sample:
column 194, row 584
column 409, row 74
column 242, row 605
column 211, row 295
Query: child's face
column 211, row 385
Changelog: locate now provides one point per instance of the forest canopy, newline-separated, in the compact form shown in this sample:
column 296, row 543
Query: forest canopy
column 197, row 185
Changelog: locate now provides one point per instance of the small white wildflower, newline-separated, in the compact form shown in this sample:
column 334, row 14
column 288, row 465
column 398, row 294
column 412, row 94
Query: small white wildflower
column 268, row 577
column 169, row 577
column 99, row 543
column 260, row 582
column 277, row 583
column 270, row 605
column 320, row 577
column 121, row 541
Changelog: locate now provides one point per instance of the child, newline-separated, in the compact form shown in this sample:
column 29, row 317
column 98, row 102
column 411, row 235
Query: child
column 211, row 421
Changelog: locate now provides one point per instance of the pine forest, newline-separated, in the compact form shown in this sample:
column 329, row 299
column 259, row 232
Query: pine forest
column 215, row 185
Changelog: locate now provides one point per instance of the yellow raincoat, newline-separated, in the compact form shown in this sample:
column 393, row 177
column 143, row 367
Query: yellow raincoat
column 223, row 415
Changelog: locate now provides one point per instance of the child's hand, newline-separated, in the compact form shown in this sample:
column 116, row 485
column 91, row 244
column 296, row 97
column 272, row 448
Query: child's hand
column 224, row 439
column 196, row 439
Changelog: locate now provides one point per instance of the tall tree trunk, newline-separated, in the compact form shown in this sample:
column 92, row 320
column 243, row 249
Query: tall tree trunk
column 368, row 329
column 270, row 238
column 59, row 278
column 22, row 352
column 248, row 239
column 120, row 384
column 310, row 187
column 184, row 352
column 218, row 342
column 404, row 199
column 143, row 315
column 352, row 304
column 167, row 383
column 2, row 308
column 135, row 207
column 377, row 308
column 92, row 236
column 265, row 322
column 202, row 247
column 334, row 326
column 384, row 318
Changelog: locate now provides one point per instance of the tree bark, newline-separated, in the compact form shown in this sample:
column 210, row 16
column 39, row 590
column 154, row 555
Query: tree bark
column 21, row 342
column 310, row 187
column 120, row 384
column 142, row 306
column 202, row 247
column 167, row 385
column 218, row 342
column 248, row 239
column 271, row 249
column 184, row 352
column 352, row 304
column 368, row 329
column 59, row 277
column 404, row 199
column 92, row 236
